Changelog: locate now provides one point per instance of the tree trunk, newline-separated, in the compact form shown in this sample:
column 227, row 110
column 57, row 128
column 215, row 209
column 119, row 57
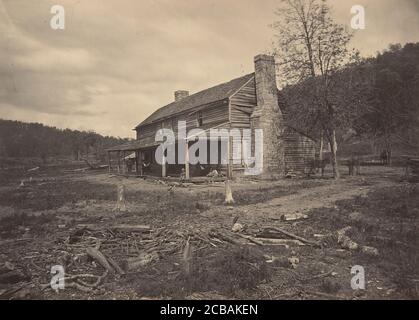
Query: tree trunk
column 388, row 149
column 333, row 148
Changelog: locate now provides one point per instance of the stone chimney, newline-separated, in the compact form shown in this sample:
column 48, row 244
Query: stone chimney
column 180, row 94
column 268, row 117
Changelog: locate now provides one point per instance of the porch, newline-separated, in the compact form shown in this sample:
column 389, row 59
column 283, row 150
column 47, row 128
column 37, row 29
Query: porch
column 138, row 159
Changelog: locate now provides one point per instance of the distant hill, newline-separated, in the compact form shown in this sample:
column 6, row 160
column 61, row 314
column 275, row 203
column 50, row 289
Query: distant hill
column 387, row 117
column 34, row 140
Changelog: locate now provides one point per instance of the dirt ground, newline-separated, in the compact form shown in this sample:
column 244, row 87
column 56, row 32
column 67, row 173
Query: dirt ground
column 186, row 247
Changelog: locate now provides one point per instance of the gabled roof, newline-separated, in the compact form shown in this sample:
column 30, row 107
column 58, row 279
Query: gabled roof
column 217, row 93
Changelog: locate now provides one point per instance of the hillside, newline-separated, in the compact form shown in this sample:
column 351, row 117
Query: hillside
column 35, row 140
column 379, row 112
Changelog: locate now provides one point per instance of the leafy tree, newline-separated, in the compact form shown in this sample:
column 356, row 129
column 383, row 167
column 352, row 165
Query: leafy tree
column 19, row 139
column 311, row 49
column 392, row 116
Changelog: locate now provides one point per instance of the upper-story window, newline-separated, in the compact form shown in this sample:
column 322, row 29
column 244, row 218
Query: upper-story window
column 199, row 118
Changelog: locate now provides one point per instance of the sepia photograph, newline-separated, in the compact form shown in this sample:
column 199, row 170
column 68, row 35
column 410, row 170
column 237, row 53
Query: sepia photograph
column 233, row 151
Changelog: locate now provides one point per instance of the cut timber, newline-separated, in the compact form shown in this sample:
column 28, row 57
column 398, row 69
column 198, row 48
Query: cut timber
column 100, row 258
column 142, row 260
column 250, row 238
column 132, row 228
column 229, row 194
column 293, row 236
column 280, row 242
column 225, row 237
column 293, row 216
column 116, row 266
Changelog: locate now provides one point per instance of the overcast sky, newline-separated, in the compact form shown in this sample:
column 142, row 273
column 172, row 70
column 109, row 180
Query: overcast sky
column 119, row 60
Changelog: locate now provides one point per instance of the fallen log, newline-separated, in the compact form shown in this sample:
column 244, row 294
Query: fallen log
column 326, row 295
column 80, row 287
column 280, row 242
column 142, row 260
column 100, row 258
column 250, row 238
column 98, row 281
column 293, row 216
column 318, row 276
column 225, row 237
column 131, row 228
column 293, row 236
column 115, row 265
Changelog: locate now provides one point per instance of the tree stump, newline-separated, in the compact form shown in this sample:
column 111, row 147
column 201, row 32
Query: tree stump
column 187, row 258
column 120, row 201
column 229, row 194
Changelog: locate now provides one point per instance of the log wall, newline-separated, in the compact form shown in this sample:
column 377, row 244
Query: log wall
column 300, row 152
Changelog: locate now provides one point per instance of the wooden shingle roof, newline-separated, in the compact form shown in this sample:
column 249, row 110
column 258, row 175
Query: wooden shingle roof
column 217, row 93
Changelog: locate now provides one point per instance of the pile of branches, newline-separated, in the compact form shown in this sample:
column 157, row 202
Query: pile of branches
column 93, row 256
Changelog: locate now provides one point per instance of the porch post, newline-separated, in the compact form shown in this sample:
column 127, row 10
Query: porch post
column 140, row 159
column 136, row 162
column 229, row 158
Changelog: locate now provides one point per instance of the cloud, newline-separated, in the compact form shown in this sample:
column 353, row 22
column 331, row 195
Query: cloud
column 117, row 61
column 55, row 60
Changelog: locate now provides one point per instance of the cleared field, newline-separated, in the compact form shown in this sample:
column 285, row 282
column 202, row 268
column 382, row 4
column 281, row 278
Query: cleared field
column 176, row 241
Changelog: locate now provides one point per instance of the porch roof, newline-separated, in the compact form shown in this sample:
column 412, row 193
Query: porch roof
column 134, row 145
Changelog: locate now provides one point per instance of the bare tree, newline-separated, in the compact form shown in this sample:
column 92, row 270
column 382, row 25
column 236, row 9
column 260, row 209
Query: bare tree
column 311, row 46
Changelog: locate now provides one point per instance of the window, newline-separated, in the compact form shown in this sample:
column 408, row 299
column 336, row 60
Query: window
column 199, row 118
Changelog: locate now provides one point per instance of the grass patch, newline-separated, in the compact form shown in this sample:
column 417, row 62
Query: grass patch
column 226, row 271
column 54, row 194
column 263, row 194
column 387, row 219
column 14, row 225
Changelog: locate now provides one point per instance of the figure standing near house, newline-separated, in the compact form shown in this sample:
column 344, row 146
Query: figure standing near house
column 146, row 166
